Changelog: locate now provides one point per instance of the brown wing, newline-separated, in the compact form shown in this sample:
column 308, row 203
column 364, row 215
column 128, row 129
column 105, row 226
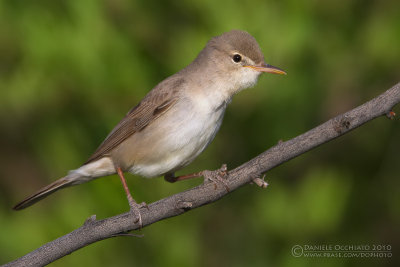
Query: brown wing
column 157, row 102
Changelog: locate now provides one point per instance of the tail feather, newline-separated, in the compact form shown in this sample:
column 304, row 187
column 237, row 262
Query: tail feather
column 85, row 173
column 44, row 192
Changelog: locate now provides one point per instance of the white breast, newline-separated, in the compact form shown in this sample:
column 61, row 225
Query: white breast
column 188, row 128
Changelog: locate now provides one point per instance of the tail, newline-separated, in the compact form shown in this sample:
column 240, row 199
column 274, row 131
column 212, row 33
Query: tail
column 66, row 181
column 85, row 173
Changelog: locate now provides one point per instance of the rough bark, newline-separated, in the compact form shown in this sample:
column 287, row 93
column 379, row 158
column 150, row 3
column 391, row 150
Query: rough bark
column 94, row 230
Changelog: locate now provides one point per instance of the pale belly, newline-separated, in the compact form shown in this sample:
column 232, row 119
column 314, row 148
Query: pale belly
column 183, row 137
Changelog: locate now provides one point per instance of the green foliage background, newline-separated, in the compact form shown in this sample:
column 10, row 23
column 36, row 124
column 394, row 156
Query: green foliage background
column 69, row 70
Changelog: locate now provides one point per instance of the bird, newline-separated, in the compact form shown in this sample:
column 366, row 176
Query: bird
column 175, row 121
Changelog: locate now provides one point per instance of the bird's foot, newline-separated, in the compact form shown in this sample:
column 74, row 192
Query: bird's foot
column 135, row 210
column 261, row 182
column 209, row 176
column 217, row 176
column 134, row 207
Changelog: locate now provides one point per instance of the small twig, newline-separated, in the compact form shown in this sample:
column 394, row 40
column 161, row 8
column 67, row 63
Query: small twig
column 260, row 182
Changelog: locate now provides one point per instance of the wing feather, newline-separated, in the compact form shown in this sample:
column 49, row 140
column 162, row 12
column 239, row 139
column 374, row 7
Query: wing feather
column 154, row 105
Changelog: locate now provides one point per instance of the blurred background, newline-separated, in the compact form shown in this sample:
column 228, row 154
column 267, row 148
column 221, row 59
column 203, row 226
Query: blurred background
column 70, row 70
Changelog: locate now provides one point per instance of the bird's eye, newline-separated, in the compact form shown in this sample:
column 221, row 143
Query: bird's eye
column 237, row 58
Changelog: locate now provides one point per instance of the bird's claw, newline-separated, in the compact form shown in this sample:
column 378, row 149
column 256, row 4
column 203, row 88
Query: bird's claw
column 143, row 205
column 217, row 176
column 135, row 210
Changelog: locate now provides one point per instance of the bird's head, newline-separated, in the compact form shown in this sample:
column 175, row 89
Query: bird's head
column 234, row 58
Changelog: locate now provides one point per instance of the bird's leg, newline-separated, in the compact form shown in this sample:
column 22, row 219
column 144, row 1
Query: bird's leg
column 214, row 176
column 134, row 207
column 170, row 177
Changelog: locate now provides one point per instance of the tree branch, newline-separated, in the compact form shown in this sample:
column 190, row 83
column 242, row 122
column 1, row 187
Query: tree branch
column 94, row 230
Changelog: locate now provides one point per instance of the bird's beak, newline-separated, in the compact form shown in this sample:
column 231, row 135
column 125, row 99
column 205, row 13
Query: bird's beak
column 267, row 68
